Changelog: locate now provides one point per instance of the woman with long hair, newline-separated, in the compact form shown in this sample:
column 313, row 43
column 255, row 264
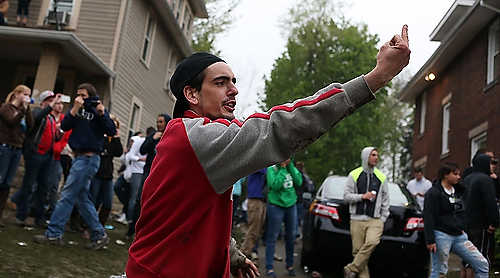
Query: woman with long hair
column 15, row 121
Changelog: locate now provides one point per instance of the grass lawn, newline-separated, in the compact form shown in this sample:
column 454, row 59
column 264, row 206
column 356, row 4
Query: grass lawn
column 71, row 260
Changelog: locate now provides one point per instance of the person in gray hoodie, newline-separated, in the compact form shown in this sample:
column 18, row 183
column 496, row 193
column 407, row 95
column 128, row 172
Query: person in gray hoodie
column 368, row 197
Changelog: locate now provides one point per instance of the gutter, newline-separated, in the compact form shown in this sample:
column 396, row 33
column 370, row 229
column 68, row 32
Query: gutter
column 488, row 6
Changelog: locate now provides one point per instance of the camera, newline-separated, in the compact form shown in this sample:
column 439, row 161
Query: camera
column 91, row 101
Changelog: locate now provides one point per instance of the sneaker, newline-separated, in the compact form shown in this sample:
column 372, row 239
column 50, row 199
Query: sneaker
column 43, row 239
column 254, row 256
column 348, row 273
column 98, row 244
column 270, row 273
column 122, row 219
column 291, row 271
column 278, row 258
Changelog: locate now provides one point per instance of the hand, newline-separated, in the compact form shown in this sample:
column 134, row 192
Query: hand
column 491, row 229
column 78, row 103
column 100, row 109
column 55, row 100
column 431, row 247
column 392, row 57
column 142, row 159
column 493, row 176
column 368, row 196
column 249, row 270
column 157, row 135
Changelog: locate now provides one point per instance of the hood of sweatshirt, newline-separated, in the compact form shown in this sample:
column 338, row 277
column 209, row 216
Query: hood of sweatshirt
column 481, row 163
column 365, row 153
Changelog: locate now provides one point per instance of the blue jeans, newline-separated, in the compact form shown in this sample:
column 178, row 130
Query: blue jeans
column 275, row 216
column 122, row 190
column 55, row 177
column 461, row 246
column 76, row 191
column 135, row 183
column 9, row 160
column 36, row 183
column 101, row 191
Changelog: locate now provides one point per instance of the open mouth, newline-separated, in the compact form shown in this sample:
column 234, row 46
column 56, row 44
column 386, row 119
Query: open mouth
column 230, row 105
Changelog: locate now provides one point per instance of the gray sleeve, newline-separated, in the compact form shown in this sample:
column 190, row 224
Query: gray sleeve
column 229, row 151
column 384, row 205
column 350, row 193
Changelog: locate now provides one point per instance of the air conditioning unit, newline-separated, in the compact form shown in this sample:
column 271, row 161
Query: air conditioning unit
column 62, row 16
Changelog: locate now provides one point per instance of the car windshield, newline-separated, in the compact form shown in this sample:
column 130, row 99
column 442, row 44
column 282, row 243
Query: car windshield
column 333, row 188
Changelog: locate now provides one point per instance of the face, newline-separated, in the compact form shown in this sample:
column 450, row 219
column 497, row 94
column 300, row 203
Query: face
column 82, row 93
column 161, row 124
column 217, row 98
column 419, row 175
column 46, row 102
column 58, row 107
column 453, row 177
column 25, row 93
column 373, row 158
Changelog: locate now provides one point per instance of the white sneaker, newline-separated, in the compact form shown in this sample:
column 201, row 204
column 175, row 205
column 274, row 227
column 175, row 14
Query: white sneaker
column 122, row 219
column 254, row 256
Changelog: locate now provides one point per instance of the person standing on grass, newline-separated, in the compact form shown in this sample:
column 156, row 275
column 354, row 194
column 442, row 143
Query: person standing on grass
column 89, row 121
column 15, row 121
column 186, row 201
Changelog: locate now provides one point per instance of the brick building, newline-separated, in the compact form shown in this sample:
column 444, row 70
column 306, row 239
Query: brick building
column 457, row 93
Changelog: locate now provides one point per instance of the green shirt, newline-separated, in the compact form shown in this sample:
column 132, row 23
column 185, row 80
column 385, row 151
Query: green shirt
column 281, row 182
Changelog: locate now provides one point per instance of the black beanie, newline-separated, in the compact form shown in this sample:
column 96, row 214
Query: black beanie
column 184, row 73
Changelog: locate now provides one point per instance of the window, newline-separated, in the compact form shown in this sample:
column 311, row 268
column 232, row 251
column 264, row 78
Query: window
column 148, row 40
column 135, row 118
column 446, row 128
column 423, row 108
column 493, row 52
column 170, row 68
column 477, row 143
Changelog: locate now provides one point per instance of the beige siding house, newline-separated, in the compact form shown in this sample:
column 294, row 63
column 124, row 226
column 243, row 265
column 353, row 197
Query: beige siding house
column 127, row 48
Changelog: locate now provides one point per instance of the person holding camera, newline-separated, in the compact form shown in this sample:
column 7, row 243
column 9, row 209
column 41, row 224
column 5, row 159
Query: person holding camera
column 15, row 119
column 38, row 152
column 89, row 122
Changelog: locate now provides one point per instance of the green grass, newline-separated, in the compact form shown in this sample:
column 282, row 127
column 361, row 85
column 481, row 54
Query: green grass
column 36, row 260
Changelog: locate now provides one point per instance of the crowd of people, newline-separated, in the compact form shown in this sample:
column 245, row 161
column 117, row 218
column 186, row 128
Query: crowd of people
column 77, row 147
column 273, row 198
column 461, row 214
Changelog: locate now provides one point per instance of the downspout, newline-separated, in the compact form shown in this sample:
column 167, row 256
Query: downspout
column 488, row 6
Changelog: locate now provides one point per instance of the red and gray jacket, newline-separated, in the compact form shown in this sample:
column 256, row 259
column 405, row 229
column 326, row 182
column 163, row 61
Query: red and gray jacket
column 185, row 223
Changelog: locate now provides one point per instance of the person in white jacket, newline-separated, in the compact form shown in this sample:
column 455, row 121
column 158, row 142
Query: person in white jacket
column 133, row 173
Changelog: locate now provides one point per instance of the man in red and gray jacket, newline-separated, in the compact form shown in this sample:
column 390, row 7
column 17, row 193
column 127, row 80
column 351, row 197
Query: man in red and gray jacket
column 185, row 223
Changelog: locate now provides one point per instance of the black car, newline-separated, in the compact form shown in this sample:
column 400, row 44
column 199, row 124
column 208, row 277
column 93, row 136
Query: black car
column 327, row 242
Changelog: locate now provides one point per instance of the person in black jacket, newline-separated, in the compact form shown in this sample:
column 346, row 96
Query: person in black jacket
column 148, row 148
column 101, row 187
column 444, row 218
column 481, row 207
column 89, row 121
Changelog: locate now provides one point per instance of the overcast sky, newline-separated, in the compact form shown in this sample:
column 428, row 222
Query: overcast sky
column 255, row 40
